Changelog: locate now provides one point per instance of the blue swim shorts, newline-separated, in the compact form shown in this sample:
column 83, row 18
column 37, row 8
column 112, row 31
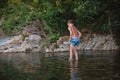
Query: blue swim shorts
column 75, row 41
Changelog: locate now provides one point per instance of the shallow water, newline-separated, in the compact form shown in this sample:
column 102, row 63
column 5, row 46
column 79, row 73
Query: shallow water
column 92, row 65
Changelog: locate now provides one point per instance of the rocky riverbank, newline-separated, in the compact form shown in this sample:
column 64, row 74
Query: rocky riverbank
column 32, row 43
column 27, row 41
column 30, row 40
column 88, row 42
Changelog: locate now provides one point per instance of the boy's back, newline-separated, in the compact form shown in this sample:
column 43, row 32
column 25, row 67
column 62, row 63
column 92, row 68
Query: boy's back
column 74, row 32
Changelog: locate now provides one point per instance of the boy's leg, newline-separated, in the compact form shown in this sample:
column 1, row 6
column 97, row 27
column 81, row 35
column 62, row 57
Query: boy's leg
column 71, row 52
column 76, row 53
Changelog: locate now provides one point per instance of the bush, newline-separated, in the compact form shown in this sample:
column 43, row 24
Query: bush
column 16, row 16
column 54, row 37
column 96, row 15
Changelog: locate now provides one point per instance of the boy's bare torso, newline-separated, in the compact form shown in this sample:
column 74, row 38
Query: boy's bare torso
column 74, row 33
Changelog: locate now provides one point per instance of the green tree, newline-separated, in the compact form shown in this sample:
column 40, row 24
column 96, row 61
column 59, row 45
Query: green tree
column 96, row 15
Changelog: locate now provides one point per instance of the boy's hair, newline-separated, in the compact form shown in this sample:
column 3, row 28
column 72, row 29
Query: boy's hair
column 70, row 21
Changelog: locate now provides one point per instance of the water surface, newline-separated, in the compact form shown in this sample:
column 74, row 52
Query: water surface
column 92, row 65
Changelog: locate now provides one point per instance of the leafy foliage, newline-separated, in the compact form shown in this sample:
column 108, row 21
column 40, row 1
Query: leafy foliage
column 16, row 16
column 54, row 37
column 96, row 15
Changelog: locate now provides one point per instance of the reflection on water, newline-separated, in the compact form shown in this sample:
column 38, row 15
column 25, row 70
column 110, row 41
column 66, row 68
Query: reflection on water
column 92, row 65
column 74, row 70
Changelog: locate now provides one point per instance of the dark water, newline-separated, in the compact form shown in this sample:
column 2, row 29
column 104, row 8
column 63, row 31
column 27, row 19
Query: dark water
column 92, row 65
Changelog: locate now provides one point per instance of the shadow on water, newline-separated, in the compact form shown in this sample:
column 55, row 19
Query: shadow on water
column 92, row 65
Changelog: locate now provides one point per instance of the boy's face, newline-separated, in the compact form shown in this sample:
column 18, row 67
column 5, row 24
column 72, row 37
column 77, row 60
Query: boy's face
column 69, row 24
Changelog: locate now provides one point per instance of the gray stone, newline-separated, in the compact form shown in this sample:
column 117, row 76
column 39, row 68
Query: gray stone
column 94, row 42
column 33, row 38
column 32, row 43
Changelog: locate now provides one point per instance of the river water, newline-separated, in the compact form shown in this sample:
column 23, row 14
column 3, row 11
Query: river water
column 92, row 65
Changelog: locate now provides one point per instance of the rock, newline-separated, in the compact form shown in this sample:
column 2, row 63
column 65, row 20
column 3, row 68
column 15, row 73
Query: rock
column 14, row 50
column 48, row 50
column 109, row 45
column 16, row 39
column 62, row 39
column 66, row 42
column 31, row 42
column 38, row 49
column 31, row 30
column 109, row 37
column 33, row 38
column 19, row 44
column 62, row 45
column 5, row 40
column 12, row 44
column 99, row 41
column 89, row 42
column 27, row 41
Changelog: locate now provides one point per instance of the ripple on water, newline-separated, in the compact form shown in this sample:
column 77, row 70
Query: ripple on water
column 92, row 65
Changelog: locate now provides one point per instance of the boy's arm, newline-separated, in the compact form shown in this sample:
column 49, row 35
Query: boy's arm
column 79, row 33
column 70, row 33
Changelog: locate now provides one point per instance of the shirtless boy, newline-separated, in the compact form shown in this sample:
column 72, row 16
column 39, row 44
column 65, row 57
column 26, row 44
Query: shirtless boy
column 74, row 39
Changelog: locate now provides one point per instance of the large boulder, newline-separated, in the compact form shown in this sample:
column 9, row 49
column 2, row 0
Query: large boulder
column 22, row 44
column 31, row 42
column 13, row 44
column 98, row 42
column 28, row 40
